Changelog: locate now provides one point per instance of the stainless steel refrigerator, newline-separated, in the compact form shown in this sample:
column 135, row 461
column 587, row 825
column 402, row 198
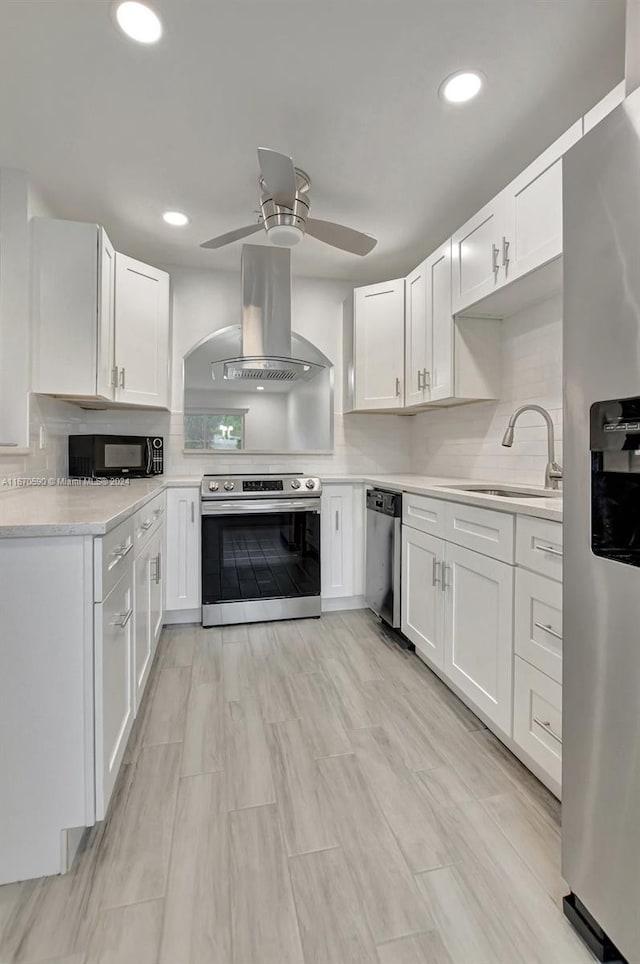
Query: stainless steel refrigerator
column 601, row 687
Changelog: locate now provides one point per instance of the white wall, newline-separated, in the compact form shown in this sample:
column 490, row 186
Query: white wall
column 465, row 441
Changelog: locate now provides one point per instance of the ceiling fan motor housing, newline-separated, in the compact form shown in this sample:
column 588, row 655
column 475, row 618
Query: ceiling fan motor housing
column 274, row 214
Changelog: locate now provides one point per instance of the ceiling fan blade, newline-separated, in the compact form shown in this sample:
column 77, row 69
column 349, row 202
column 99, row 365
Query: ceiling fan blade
column 339, row 236
column 230, row 236
column 279, row 176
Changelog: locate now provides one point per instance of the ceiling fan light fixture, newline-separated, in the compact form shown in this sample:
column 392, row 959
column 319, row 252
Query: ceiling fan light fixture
column 285, row 235
column 461, row 87
column 138, row 21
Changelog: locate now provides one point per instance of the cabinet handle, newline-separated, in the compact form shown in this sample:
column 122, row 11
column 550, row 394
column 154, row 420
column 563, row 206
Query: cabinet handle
column 125, row 617
column 337, row 520
column 397, row 387
column 546, row 726
column 420, row 385
column 548, row 629
column 426, row 380
column 158, row 568
column 435, row 577
column 554, row 552
column 505, row 253
column 122, row 551
column 445, row 585
column 146, row 525
column 193, row 512
column 495, row 253
column 9, row 445
column 114, row 377
column 122, row 378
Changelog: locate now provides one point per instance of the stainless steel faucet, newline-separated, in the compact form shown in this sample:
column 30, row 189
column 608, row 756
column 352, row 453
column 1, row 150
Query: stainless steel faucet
column 553, row 471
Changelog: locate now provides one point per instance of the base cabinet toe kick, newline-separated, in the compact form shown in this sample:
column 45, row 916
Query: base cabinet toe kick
column 81, row 620
column 482, row 603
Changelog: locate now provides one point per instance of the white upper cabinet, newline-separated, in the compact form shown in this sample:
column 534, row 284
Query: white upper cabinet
column 379, row 346
column 535, row 199
column 479, row 265
column 14, row 311
column 142, row 333
column 99, row 331
column 418, row 340
column 440, row 322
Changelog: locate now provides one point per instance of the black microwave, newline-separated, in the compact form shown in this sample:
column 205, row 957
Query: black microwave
column 114, row 456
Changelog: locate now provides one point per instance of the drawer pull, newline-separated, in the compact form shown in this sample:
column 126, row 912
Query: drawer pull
column 546, row 726
column 146, row 525
column 122, row 551
column 554, row 552
column 435, row 572
column 124, row 619
column 157, row 512
column 548, row 629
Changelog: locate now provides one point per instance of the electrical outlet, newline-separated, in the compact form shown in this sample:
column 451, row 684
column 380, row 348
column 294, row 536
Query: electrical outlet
column 43, row 437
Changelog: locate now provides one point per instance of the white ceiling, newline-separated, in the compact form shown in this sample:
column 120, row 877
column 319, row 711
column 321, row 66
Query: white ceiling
column 115, row 132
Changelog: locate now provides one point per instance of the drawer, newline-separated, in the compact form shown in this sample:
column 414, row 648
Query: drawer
column 539, row 546
column 110, row 553
column 537, row 717
column 483, row 530
column 538, row 622
column 423, row 513
column 148, row 519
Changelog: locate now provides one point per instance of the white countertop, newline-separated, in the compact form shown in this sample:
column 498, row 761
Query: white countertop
column 59, row 510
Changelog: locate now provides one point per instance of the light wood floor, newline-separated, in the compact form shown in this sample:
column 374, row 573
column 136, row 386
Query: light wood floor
column 305, row 792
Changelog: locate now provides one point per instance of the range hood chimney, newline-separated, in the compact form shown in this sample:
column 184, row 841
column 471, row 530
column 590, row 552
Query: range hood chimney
column 266, row 321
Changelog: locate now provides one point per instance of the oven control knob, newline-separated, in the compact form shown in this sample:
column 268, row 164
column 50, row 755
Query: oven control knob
column 228, row 486
column 310, row 484
column 295, row 483
column 214, row 486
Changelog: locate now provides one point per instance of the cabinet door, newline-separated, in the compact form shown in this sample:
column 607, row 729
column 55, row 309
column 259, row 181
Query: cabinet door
column 156, row 586
column 142, row 333
column 422, row 596
column 105, row 372
column 113, row 685
column 182, row 584
column 477, row 263
column 536, row 199
column 417, row 345
column 440, row 322
column 142, row 639
column 379, row 345
column 537, row 719
column 478, row 650
column 337, row 563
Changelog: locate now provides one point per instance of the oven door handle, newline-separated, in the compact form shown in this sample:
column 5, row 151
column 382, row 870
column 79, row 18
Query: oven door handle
column 259, row 506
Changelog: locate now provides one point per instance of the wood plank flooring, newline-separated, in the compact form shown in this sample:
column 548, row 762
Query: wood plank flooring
column 305, row 793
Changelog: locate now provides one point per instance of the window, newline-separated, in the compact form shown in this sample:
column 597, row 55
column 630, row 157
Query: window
column 214, row 430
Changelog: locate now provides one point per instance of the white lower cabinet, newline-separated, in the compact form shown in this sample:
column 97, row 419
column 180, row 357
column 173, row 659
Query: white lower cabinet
column 148, row 568
column 478, row 640
column 182, row 583
column 422, row 596
column 537, row 719
column 538, row 622
column 114, row 698
column 342, row 541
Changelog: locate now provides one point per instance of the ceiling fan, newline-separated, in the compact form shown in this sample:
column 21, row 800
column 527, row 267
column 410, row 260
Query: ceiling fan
column 284, row 211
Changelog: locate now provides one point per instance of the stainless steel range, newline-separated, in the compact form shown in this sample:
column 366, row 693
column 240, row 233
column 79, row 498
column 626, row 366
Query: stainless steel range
column 260, row 548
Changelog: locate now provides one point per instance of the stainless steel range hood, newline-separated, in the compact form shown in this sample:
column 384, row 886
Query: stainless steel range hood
column 266, row 322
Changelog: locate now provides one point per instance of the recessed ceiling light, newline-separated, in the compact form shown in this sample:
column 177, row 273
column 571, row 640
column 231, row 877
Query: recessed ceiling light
column 461, row 86
column 176, row 218
column 138, row 22
column 259, row 388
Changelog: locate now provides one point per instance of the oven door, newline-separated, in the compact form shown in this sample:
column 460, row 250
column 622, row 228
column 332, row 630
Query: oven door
column 260, row 560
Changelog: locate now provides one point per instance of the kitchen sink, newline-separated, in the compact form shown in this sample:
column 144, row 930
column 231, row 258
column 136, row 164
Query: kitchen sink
column 506, row 493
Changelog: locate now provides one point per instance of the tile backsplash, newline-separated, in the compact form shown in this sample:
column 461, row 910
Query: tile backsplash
column 465, row 441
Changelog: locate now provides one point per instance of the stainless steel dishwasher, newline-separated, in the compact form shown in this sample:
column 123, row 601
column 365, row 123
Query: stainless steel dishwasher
column 384, row 548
